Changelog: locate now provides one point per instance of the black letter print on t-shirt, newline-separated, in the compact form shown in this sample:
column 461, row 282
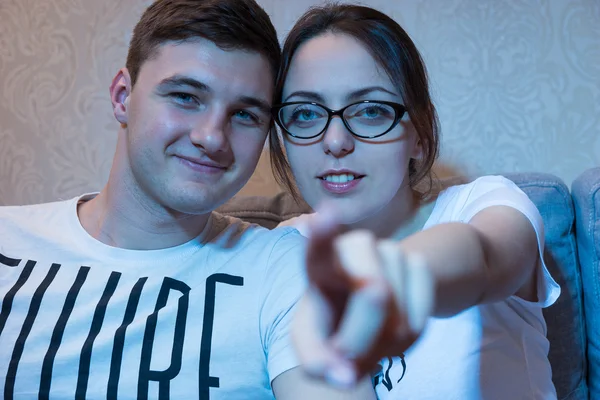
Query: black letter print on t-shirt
column 206, row 381
column 164, row 377
column 34, row 307
column 384, row 377
column 7, row 301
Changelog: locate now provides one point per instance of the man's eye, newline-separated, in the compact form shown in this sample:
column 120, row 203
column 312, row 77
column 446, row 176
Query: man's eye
column 184, row 98
column 243, row 114
column 246, row 117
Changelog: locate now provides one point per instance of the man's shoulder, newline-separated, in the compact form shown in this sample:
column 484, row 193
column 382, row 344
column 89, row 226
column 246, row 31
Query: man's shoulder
column 228, row 227
column 31, row 212
column 268, row 247
column 30, row 227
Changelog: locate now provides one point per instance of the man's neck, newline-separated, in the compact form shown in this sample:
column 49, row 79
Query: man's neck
column 124, row 221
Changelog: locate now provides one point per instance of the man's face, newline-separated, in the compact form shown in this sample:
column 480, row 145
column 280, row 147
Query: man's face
column 196, row 121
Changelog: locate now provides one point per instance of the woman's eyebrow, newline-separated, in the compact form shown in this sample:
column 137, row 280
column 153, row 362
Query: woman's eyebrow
column 354, row 95
column 306, row 95
column 360, row 93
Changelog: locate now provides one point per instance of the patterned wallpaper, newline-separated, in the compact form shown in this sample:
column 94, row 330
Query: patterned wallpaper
column 516, row 82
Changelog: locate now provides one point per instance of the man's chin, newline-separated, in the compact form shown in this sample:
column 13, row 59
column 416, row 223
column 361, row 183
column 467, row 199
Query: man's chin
column 193, row 206
column 197, row 198
column 199, row 203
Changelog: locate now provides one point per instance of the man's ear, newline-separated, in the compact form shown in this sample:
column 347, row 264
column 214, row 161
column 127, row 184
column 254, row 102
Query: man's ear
column 120, row 90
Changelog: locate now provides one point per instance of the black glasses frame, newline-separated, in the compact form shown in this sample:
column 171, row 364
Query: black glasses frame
column 400, row 110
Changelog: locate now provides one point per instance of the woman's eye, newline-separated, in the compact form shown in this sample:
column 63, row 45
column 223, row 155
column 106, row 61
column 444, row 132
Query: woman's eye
column 374, row 112
column 305, row 115
column 371, row 112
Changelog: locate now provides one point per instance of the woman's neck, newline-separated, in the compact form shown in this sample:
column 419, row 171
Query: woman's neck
column 399, row 212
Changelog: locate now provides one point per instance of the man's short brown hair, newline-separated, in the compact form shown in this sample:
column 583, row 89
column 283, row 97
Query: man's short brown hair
column 230, row 24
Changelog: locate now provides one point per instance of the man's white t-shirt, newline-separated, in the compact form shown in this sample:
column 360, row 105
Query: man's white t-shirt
column 208, row 319
column 495, row 351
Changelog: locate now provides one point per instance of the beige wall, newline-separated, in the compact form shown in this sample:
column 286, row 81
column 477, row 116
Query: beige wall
column 516, row 82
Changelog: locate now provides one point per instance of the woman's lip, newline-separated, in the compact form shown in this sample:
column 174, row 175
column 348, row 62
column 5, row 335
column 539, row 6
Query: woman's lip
column 339, row 187
column 339, row 172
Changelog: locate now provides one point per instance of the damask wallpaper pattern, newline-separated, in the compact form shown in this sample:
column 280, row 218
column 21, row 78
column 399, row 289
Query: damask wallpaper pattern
column 516, row 83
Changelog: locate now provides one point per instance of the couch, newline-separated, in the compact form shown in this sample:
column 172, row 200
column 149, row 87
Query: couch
column 572, row 233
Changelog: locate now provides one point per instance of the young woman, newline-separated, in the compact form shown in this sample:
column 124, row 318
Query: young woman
column 460, row 272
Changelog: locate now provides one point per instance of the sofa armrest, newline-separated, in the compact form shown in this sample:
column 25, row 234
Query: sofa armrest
column 586, row 197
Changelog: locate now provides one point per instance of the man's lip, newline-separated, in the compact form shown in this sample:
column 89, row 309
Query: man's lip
column 340, row 172
column 202, row 162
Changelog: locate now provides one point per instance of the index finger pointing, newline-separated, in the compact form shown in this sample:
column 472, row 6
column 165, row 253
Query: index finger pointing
column 322, row 261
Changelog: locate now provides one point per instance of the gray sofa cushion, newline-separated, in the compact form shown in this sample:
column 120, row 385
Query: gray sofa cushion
column 586, row 197
column 566, row 329
column 565, row 319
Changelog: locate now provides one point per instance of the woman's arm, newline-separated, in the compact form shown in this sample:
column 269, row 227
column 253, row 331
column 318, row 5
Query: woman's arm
column 489, row 259
column 371, row 298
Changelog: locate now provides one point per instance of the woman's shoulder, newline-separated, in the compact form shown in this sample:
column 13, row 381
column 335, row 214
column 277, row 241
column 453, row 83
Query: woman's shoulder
column 477, row 188
column 460, row 202
column 301, row 223
column 479, row 185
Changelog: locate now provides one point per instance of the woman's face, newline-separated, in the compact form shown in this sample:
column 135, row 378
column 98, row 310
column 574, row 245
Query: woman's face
column 361, row 177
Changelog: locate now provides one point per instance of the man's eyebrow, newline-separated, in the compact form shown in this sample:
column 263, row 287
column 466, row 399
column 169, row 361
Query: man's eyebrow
column 358, row 94
column 317, row 98
column 182, row 80
column 262, row 105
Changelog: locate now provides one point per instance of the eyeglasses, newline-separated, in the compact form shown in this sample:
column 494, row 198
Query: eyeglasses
column 364, row 119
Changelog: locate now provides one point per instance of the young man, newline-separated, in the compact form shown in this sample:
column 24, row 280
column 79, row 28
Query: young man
column 141, row 291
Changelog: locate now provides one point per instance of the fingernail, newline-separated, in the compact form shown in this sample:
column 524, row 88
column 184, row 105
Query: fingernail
column 341, row 375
